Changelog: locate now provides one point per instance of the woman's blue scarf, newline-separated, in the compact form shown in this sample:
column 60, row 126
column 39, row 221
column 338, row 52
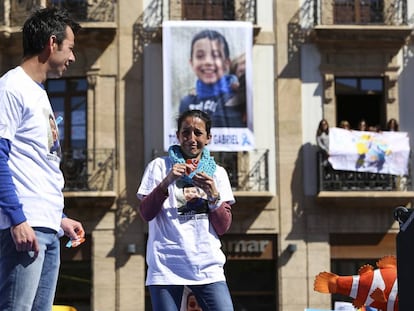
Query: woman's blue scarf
column 206, row 163
column 222, row 86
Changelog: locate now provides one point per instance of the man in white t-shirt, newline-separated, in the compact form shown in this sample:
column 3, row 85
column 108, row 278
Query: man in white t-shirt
column 31, row 183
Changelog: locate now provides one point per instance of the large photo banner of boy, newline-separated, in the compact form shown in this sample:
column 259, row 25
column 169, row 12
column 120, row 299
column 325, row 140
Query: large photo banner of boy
column 207, row 65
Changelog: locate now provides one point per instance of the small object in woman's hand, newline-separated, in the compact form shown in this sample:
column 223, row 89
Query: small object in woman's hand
column 75, row 242
column 194, row 163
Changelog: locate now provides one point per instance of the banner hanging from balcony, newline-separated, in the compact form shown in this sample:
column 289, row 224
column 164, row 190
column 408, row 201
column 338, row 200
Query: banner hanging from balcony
column 383, row 152
column 207, row 65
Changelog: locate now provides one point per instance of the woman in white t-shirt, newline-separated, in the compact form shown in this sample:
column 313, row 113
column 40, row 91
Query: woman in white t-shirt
column 183, row 245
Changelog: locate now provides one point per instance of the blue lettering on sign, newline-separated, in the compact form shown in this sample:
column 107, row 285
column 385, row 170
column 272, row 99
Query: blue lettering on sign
column 245, row 140
column 226, row 139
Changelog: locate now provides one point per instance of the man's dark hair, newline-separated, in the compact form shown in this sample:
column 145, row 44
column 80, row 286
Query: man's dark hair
column 41, row 25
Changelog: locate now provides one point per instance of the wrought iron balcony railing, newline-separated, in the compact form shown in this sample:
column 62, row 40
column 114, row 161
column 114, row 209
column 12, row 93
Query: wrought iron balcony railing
column 334, row 180
column 88, row 170
column 13, row 13
column 360, row 12
column 218, row 10
column 248, row 171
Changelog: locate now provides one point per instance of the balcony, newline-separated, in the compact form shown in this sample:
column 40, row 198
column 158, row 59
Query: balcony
column 148, row 27
column 248, row 173
column 218, row 10
column 360, row 23
column 89, row 173
column 352, row 187
column 13, row 13
column 97, row 18
column 360, row 12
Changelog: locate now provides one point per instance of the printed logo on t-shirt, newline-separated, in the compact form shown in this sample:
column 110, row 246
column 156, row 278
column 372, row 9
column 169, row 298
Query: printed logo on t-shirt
column 53, row 137
column 191, row 200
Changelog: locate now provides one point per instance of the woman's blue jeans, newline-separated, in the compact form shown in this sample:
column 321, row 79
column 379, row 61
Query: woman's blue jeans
column 28, row 283
column 210, row 297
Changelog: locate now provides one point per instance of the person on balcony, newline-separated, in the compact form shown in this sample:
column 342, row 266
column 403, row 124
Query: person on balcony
column 183, row 247
column 362, row 125
column 322, row 137
column 392, row 125
column 344, row 124
column 31, row 183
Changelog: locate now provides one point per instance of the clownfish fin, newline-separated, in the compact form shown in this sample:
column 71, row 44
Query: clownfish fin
column 358, row 303
column 387, row 261
column 325, row 282
column 365, row 269
column 378, row 295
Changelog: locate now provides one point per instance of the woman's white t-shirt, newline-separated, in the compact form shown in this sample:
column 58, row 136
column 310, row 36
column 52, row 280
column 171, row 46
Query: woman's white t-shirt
column 183, row 247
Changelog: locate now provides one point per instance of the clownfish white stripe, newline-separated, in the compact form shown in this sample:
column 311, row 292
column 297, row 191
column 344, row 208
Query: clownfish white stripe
column 354, row 287
column 377, row 282
column 392, row 296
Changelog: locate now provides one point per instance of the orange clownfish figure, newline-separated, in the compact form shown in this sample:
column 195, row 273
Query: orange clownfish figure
column 375, row 288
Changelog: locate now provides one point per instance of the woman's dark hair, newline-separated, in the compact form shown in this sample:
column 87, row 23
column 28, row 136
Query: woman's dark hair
column 213, row 36
column 196, row 114
column 320, row 127
column 392, row 124
column 41, row 25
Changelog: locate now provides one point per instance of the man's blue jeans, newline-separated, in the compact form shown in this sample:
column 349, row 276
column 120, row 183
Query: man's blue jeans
column 28, row 283
column 210, row 297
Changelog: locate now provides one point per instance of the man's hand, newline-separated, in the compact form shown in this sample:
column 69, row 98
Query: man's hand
column 72, row 228
column 24, row 238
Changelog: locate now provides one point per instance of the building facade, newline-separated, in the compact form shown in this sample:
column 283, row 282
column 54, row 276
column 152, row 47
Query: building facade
column 312, row 59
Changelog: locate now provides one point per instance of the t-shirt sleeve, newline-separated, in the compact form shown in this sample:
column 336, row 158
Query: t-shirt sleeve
column 223, row 185
column 10, row 114
column 153, row 175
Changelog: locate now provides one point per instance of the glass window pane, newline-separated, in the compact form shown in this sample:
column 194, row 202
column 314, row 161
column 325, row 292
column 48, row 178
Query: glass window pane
column 373, row 84
column 78, row 102
column 347, row 82
column 78, row 133
column 58, row 104
column 346, row 86
column 56, row 86
column 68, row 99
column 78, row 111
column 78, row 117
column 82, row 85
column 208, row 10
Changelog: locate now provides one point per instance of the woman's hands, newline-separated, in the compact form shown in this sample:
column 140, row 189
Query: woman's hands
column 200, row 179
column 206, row 182
column 178, row 170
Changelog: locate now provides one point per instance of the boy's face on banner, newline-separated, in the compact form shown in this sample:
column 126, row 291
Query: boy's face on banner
column 208, row 60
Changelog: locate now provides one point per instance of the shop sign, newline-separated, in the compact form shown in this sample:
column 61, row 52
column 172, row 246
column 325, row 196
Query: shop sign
column 248, row 248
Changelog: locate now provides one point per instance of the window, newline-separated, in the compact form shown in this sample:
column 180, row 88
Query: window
column 77, row 8
column 208, row 10
column 360, row 98
column 358, row 11
column 68, row 99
